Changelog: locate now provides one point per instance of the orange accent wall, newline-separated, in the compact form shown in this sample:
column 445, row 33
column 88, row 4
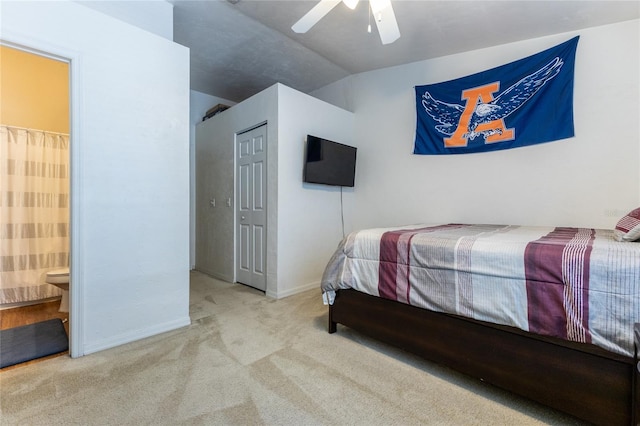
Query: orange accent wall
column 34, row 91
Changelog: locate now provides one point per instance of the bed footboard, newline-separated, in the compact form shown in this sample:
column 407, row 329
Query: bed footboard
column 582, row 380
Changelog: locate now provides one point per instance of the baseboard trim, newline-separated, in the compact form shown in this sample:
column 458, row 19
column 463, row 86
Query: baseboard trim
column 136, row 335
column 215, row 275
column 295, row 290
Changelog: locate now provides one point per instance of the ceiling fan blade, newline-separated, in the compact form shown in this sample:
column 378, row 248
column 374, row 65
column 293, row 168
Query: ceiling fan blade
column 314, row 15
column 387, row 25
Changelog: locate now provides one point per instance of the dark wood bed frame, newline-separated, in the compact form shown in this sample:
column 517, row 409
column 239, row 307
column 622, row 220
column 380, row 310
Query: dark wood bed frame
column 580, row 379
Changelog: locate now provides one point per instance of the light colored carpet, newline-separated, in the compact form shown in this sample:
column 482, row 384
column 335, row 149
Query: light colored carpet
column 247, row 359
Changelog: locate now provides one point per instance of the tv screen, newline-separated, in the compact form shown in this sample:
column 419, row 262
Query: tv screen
column 329, row 163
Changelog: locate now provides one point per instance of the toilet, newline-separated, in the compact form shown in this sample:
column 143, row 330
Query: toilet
column 60, row 278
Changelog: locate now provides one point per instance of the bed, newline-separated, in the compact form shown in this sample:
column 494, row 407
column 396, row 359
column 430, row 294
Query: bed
column 548, row 313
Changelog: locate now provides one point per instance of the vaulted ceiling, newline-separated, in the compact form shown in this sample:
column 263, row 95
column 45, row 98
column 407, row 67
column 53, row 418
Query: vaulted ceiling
column 240, row 47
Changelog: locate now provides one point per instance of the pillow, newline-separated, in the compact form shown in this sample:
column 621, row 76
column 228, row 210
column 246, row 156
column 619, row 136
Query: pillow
column 628, row 228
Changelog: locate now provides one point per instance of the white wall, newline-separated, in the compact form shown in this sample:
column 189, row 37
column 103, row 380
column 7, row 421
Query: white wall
column 589, row 180
column 130, row 169
column 215, row 163
column 303, row 220
column 199, row 104
column 155, row 16
column 309, row 217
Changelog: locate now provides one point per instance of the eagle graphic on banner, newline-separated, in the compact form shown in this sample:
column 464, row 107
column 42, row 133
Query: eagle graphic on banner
column 505, row 103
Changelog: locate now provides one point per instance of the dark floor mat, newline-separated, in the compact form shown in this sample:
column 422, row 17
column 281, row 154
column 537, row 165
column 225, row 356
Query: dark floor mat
column 21, row 344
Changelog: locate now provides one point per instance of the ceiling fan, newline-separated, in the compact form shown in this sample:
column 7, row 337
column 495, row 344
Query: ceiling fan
column 381, row 9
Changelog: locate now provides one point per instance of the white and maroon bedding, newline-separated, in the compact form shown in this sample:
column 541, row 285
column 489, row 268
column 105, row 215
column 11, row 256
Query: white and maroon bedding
column 574, row 283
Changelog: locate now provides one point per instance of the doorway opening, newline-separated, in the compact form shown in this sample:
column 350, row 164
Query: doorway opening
column 36, row 208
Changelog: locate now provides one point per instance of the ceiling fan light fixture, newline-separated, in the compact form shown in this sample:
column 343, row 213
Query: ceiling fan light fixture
column 378, row 6
column 351, row 4
column 380, row 10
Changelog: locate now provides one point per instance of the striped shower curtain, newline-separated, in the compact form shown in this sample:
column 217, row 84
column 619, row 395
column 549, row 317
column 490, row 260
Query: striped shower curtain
column 34, row 212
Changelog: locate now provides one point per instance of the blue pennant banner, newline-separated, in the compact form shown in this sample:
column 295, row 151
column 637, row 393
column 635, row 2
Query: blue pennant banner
column 526, row 102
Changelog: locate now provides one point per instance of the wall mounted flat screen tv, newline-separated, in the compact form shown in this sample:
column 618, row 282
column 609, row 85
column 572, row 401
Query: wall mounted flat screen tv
column 329, row 163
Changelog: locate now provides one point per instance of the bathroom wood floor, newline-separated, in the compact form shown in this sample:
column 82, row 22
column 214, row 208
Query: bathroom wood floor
column 15, row 317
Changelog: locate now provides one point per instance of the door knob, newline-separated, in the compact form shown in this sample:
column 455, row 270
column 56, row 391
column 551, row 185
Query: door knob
column 241, row 217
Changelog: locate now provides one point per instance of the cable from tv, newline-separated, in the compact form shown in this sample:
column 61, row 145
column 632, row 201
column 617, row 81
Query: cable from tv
column 342, row 211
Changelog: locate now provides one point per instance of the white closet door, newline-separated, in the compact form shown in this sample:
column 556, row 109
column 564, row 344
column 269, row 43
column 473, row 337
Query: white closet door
column 251, row 207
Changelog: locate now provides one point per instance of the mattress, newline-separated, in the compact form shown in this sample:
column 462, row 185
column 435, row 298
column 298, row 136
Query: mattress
column 578, row 284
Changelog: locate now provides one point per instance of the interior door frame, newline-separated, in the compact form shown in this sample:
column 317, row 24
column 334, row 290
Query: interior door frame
column 235, row 201
column 76, row 289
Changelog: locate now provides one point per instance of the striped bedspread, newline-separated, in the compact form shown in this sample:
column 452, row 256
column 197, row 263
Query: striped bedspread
column 573, row 283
